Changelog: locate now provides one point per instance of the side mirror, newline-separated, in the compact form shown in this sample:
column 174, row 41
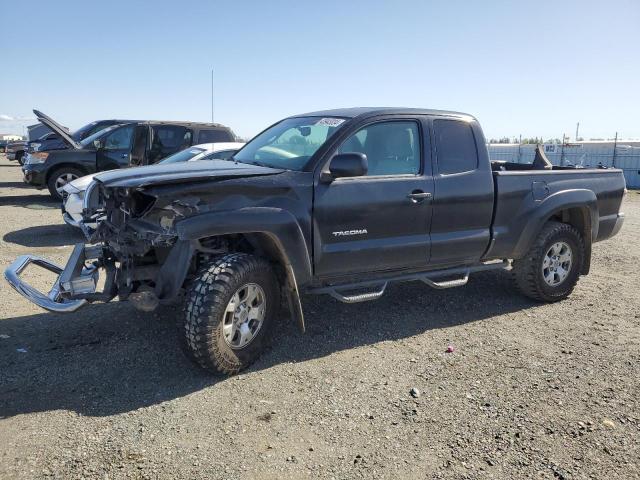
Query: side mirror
column 97, row 144
column 348, row 165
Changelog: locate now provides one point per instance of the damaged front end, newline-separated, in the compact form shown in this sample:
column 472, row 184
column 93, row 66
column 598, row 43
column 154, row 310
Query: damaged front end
column 141, row 256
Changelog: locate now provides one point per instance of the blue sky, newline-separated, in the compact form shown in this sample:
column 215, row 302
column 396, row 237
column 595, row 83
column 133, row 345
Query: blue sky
column 531, row 68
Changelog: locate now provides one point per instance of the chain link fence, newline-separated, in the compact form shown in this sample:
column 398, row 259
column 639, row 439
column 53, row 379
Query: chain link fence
column 623, row 155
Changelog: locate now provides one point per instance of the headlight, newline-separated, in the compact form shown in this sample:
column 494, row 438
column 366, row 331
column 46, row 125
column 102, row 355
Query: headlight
column 35, row 146
column 37, row 157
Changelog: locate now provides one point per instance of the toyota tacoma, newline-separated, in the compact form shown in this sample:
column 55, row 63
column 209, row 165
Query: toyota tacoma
column 339, row 202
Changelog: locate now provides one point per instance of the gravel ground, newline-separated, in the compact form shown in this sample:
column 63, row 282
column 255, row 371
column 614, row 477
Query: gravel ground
column 530, row 390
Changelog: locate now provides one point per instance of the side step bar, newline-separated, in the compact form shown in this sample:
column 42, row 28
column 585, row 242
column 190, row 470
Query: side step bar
column 357, row 298
column 430, row 278
column 458, row 282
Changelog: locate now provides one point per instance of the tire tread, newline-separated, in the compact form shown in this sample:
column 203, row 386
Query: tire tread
column 202, row 308
column 526, row 270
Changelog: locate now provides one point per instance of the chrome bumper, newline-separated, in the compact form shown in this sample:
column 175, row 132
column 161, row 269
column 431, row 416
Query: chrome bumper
column 74, row 280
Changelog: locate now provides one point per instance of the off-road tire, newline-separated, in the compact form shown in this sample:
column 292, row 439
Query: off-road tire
column 527, row 271
column 206, row 300
column 51, row 182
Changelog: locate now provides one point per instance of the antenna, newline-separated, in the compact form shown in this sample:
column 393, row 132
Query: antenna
column 212, row 96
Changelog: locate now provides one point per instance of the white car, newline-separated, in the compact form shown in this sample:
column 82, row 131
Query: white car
column 73, row 192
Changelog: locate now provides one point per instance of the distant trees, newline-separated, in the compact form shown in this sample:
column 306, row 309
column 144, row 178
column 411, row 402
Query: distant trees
column 503, row 140
column 532, row 140
column 525, row 141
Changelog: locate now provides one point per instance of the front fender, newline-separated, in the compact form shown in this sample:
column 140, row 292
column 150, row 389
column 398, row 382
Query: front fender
column 551, row 205
column 280, row 225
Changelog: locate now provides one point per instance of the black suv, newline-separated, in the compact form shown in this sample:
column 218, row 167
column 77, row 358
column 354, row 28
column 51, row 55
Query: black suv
column 131, row 143
column 52, row 141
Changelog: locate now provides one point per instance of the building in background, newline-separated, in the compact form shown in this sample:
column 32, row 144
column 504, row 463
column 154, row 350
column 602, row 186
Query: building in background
column 10, row 137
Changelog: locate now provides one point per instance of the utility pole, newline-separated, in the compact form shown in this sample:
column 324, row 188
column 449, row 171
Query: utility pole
column 212, row 95
column 577, row 129
column 615, row 146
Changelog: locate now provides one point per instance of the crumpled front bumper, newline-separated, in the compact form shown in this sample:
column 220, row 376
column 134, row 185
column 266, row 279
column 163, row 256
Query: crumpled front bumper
column 75, row 281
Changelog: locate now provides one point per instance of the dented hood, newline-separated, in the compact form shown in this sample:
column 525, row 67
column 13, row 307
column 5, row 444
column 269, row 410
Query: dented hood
column 181, row 173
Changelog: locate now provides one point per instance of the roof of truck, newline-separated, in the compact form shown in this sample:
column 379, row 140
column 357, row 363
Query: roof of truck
column 354, row 112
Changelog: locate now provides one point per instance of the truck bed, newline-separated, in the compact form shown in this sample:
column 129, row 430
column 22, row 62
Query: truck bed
column 521, row 194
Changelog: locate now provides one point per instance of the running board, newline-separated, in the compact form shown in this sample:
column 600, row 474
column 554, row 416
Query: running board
column 357, row 298
column 430, row 278
column 458, row 282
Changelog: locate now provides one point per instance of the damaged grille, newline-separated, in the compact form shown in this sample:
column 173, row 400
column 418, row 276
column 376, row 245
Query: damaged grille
column 121, row 223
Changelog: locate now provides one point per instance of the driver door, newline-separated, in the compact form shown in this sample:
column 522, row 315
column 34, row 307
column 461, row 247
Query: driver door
column 115, row 150
column 380, row 221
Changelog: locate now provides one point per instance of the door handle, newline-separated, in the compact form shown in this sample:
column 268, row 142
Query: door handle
column 418, row 196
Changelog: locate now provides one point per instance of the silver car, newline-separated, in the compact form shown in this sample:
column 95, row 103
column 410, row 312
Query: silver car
column 73, row 192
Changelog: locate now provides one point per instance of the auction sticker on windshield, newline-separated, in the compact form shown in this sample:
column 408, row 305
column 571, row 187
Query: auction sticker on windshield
column 330, row 122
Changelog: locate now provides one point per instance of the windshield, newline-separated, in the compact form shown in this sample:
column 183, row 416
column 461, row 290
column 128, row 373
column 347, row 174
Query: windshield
column 82, row 131
column 183, row 155
column 290, row 143
column 88, row 142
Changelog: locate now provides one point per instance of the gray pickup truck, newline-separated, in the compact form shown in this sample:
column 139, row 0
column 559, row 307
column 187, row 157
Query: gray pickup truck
column 338, row 202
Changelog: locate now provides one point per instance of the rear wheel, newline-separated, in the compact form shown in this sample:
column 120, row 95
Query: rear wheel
column 20, row 157
column 229, row 310
column 59, row 178
column 551, row 268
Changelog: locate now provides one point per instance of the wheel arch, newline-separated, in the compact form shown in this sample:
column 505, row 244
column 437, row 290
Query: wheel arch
column 58, row 166
column 578, row 208
column 272, row 232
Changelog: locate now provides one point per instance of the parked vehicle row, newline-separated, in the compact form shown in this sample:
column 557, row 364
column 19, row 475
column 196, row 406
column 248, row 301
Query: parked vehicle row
column 339, row 202
column 73, row 192
column 120, row 144
column 50, row 140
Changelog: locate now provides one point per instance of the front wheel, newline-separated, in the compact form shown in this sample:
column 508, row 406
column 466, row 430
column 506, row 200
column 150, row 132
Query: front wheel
column 551, row 268
column 229, row 310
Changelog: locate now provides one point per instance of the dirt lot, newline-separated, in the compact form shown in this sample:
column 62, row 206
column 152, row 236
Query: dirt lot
column 531, row 391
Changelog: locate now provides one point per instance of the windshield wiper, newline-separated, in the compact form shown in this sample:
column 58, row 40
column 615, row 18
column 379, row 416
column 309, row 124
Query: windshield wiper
column 233, row 159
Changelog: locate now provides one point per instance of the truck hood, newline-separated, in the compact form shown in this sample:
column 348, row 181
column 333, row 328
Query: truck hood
column 59, row 129
column 181, row 173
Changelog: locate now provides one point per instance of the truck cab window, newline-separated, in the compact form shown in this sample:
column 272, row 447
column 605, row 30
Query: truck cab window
column 119, row 139
column 392, row 148
column 455, row 147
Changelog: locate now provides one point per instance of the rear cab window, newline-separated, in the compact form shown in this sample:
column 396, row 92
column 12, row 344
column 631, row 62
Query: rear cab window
column 456, row 150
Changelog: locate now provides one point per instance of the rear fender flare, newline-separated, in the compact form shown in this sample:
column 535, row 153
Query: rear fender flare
column 582, row 199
